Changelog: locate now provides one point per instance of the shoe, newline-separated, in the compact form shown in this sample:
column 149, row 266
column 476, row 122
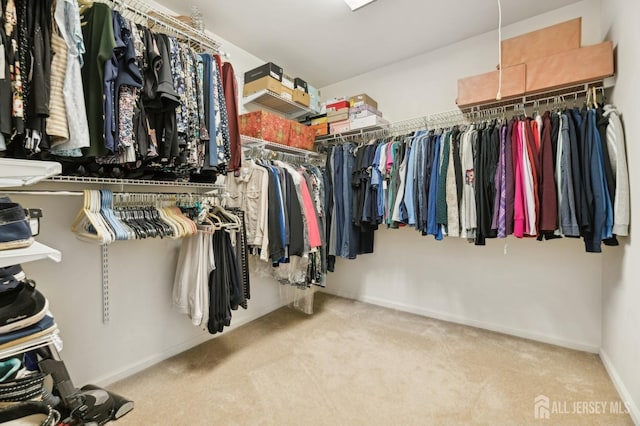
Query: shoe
column 9, row 368
column 15, row 231
column 10, row 277
column 19, row 390
column 8, row 283
column 29, row 413
column 21, row 307
column 14, row 271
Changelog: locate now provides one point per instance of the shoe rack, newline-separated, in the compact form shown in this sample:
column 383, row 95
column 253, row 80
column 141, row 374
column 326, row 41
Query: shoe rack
column 17, row 173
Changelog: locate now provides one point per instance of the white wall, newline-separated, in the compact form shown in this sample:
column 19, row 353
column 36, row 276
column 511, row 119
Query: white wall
column 548, row 291
column 620, row 276
column 144, row 328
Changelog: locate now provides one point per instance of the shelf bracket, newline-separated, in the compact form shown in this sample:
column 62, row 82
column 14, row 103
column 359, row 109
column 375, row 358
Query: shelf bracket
column 105, row 283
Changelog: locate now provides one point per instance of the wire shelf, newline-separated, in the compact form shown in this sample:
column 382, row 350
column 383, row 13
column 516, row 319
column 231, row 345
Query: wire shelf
column 145, row 14
column 249, row 142
column 274, row 102
column 467, row 115
column 130, row 182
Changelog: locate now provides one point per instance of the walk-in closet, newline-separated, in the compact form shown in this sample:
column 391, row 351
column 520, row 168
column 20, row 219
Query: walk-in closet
column 339, row 212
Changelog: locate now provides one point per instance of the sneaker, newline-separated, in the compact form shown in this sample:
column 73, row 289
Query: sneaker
column 14, row 271
column 21, row 307
column 10, row 277
column 15, row 231
column 9, row 369
column 24, row 389
column 29, row 413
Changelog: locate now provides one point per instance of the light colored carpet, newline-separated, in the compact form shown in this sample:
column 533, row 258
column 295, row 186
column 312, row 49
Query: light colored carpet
column 357, row 364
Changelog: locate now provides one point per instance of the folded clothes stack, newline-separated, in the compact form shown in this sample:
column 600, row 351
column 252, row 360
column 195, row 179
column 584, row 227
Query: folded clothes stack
column 23, row 320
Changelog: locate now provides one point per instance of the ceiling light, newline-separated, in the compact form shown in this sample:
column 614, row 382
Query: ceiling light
column 357, row 4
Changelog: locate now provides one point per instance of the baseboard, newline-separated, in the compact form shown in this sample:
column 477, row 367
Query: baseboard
column 108, row 379
column 470, row 322
column 624, row 393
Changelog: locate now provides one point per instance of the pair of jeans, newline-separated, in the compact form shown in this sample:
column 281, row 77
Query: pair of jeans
column 348, row 233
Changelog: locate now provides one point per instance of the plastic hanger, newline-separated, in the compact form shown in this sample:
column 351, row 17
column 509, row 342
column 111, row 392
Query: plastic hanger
column 88, row 225
column 106, row 211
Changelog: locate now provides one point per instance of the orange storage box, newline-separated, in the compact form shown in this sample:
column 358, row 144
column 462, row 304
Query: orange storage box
column 301, row 136
column 320, row 129
column 267, row 126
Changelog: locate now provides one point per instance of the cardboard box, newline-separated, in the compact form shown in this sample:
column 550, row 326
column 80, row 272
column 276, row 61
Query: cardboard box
column 286, row 93
column 336, row 100
column 319, row 120
column 337, row 106
column 268, row 83
column 314, row 98
column 542, row 43
column 362, row 99
column 320, row 129
column 339, row 115
column 269, row 69
column 299, row 83
column 484, row 87
column 363, row 111
column 301, row 136
column 339, row 127
column 370, row 121
column 265, row 125
column 287, row 81
column 576, row 66
column 301, row 97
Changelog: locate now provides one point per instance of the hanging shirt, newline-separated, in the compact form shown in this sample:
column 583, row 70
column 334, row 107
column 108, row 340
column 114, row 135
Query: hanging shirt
column 618, row 158
column 99, row 39
column 468, row 205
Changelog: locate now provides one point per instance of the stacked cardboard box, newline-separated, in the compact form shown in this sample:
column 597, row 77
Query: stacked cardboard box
column 352, row 113
column 271, row 77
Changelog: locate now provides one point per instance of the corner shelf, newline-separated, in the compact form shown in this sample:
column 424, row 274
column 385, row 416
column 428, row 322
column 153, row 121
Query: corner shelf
column 36, row 251
column 265, row 99
column 26, row 172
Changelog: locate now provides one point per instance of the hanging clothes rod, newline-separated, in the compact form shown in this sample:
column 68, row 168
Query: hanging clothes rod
column 566, row 93
column 432, row 121
column 208, row 194
column 468, row 115
column 145, row 13
column 251, row 142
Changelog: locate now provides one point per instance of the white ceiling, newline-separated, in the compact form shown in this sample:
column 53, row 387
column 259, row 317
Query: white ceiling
column 323, row 42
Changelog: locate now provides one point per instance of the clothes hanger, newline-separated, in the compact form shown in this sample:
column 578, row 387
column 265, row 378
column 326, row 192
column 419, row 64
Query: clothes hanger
column 83, row 5
column 604, row 97
column 96, row 200
column 87, row 225
column 106, row 211
column 175, row 227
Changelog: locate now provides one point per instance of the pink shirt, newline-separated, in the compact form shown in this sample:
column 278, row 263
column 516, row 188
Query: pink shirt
column 310, row 214
column 519, row 203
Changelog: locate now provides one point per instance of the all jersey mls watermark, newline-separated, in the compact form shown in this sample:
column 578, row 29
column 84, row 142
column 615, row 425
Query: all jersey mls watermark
column 545, row 408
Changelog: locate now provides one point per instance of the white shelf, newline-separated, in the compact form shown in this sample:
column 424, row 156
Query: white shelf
column 354, row 132
column 50, row 338
column 265, row 99
column 26, row 172
column 37, row 251
column 130, row 182
column 249, row 141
